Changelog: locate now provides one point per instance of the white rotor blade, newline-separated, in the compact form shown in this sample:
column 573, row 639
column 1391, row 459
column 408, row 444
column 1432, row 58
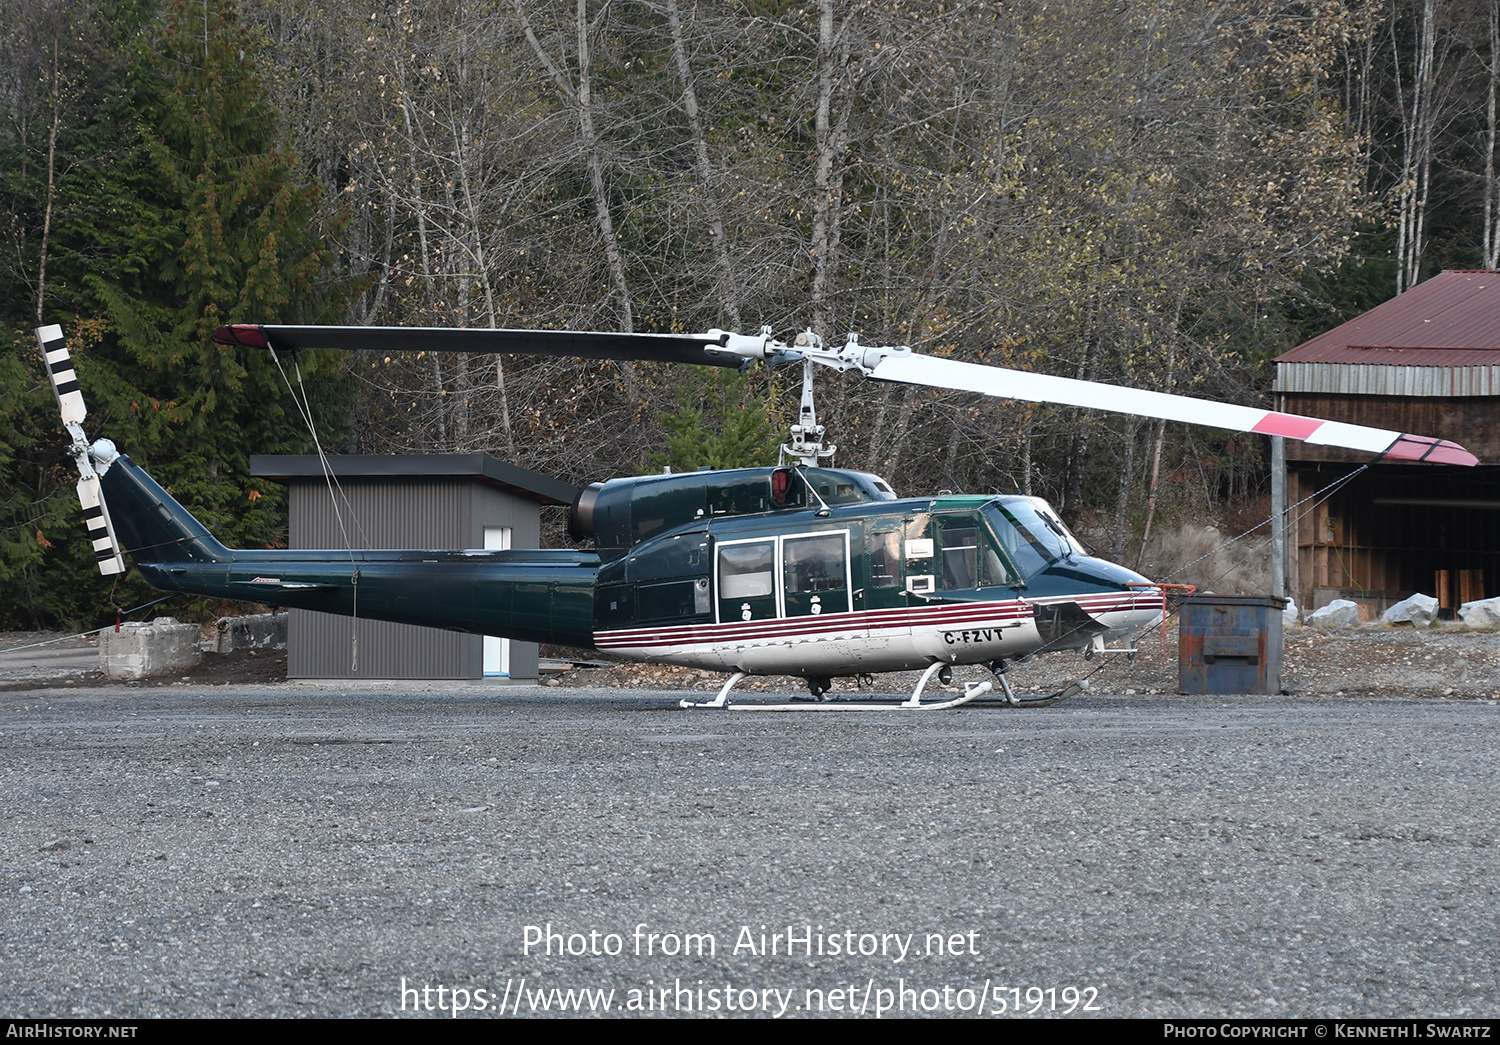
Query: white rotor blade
column 937, row 372
column 70, row 403
column 101, row 532
column 60, row 372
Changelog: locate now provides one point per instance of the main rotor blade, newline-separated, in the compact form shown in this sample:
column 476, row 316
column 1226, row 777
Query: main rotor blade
column 697, row 349
column 997, row 381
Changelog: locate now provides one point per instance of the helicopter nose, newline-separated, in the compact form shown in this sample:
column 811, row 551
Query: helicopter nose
column 1129, row 601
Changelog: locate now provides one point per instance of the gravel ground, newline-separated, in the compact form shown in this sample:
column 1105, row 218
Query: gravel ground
column 293, row 849
column 1440, row 661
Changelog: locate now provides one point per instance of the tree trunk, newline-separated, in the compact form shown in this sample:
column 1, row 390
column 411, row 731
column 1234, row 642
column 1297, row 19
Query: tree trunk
column 1026, row 436
column 712, row 213
column 41, row 277
column 1418, row 125
column 1161, row 432
column 1491, row 239
column 580, row 98
column 1122, row 497
column 830, row 138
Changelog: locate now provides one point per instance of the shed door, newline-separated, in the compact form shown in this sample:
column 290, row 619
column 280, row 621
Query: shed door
column 496, row 651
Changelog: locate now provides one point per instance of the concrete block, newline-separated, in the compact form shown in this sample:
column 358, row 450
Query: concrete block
column 1419, row 611
column 253, row 631
column 139, row 650
column 1485, row 613
column 1340, row 613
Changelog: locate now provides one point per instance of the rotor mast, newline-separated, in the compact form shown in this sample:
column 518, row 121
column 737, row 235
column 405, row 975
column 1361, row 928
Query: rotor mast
column 805, row 444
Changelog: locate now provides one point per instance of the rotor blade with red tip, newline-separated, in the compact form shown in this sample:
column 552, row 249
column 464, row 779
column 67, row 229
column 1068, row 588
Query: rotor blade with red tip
column 698, row 349
column 936, row 372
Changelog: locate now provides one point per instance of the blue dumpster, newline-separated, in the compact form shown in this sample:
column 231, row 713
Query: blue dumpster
column 1229, row 644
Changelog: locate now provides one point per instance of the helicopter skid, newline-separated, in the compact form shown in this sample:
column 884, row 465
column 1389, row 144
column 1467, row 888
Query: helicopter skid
column 913, row 703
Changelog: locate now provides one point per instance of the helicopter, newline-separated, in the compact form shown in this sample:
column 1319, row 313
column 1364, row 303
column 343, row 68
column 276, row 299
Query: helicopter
column 802, row 569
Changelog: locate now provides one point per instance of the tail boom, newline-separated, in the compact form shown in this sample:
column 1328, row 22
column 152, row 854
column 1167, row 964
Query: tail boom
column 532, row 596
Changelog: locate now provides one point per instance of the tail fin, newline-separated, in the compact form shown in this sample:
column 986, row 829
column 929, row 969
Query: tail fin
column 149, row 523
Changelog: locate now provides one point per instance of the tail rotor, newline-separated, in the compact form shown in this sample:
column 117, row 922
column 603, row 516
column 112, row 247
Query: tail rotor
column 92, row 459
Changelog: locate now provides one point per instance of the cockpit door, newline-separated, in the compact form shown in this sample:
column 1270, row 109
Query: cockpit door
column 966, row 558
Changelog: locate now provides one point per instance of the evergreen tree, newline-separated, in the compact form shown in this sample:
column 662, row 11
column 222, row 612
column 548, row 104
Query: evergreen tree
column 70, row 131
column 175, row 209
column 226, row 233
column 720, row 422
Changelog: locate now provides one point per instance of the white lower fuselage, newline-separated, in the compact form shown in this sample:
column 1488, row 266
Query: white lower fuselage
column 875, row 641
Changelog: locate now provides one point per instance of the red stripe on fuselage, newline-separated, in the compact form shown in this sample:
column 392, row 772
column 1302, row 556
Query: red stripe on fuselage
column 808, row 627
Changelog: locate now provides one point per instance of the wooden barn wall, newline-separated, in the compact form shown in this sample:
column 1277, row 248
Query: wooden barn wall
column 1360, row 542
column 1471, row 422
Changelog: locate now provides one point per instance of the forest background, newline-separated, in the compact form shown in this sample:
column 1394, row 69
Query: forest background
column 1160, row 194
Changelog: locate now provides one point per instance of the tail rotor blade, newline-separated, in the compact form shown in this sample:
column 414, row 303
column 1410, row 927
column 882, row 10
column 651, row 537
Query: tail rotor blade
column 64, row 380
column 101, row 530
column 61, row 373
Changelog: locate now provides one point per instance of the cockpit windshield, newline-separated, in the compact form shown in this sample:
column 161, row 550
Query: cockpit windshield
column 1033, row 536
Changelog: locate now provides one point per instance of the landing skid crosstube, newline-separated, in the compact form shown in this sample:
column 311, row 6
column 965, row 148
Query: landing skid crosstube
column 972, row 692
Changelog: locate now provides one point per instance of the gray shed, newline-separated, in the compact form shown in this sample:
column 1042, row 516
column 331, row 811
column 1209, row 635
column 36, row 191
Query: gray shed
column 439, row 501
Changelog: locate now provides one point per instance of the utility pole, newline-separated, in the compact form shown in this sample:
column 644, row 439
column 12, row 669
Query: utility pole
column 1278, row 516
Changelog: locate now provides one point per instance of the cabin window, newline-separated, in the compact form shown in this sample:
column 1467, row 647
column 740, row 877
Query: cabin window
column 1030, row 542
column 741, row 497
column 680, row 556
column 815, row 574
column 960, row 555
column 815, row 563
column 969, row 557
column 745, row 570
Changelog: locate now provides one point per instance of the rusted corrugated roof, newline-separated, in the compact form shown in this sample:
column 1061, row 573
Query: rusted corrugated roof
column 1453, row 319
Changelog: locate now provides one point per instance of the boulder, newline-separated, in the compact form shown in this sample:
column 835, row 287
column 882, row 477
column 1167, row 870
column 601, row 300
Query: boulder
column 1485, row 613
column 139, row 650
column 252, row 631
column 1340, row 613
column 1419, row 611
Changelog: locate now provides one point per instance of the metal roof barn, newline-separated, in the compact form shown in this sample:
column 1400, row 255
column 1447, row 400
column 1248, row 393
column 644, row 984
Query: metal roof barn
column 1427, row 361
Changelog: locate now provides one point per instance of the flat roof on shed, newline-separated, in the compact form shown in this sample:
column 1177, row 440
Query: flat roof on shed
column 508, row 477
